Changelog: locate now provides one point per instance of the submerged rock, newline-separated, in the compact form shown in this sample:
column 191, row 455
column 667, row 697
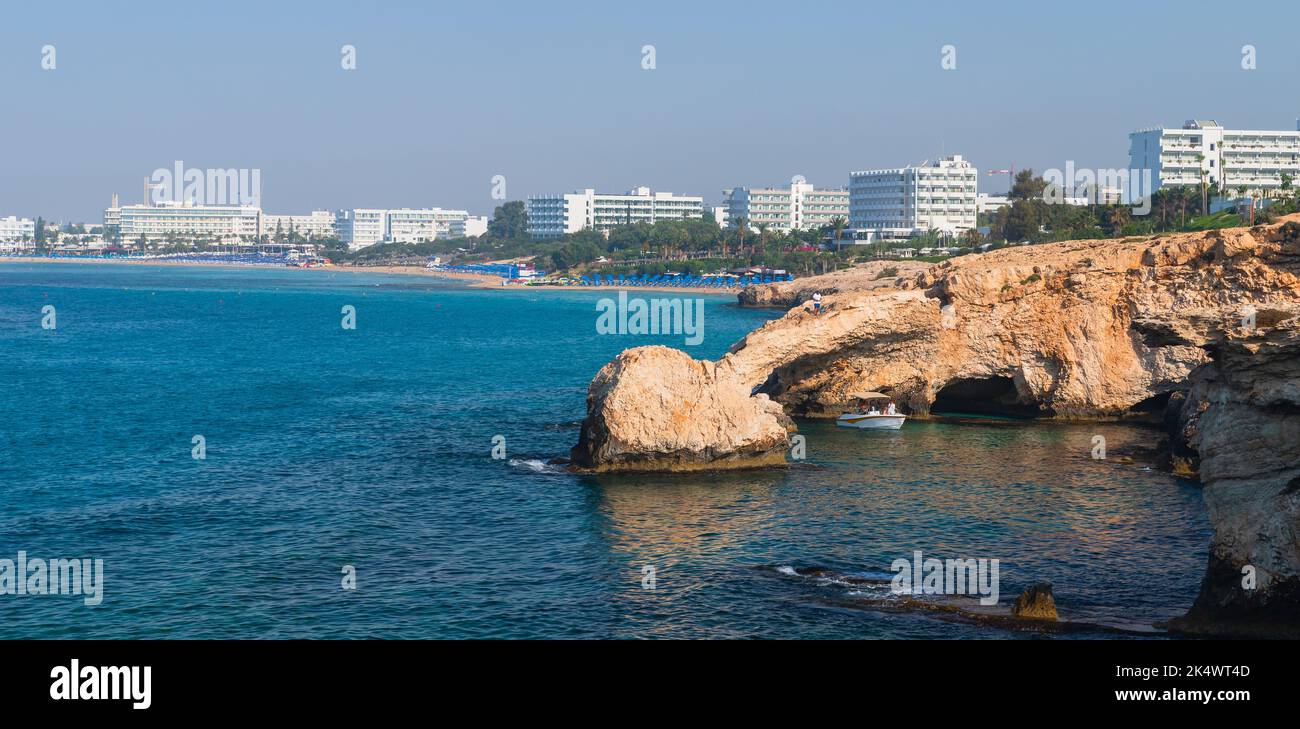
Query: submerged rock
column 1036, row 603
column 657, row 409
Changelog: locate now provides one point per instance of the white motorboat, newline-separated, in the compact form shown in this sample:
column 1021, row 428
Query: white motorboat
column 871, row 418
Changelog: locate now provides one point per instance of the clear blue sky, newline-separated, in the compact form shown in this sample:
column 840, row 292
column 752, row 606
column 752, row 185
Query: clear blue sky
column 552, row 94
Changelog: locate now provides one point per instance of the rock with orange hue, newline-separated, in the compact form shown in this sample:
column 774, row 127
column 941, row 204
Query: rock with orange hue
column 863, row 277
column 657, row 409
column 1079, row 329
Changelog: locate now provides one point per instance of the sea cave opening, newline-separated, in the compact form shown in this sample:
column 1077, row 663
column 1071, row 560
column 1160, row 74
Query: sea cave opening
column 1155, row 404
column 984, row 396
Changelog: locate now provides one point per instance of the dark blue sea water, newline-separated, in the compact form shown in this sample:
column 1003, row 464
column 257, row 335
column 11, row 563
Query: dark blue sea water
column 372, row 448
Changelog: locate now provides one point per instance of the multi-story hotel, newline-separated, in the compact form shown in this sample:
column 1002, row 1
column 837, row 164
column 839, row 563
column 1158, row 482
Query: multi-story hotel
column 14, row 229
column 907, row 201
column 411, row 226
column 157, row 222
column 361, row 227
column 551, row 216
column 320, row 224
column 365, row 227
column 468, row 227
column 1225, row 159
column 113, row 215
column 798, row 207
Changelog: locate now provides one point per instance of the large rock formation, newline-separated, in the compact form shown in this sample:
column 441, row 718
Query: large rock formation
column 1081, row 329
column 656, row 409
column 1244, row 421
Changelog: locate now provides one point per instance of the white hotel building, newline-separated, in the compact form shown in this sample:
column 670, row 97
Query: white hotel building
column 319, row 224
column 14, row 229
column 186, row 220
column 908, row 201
column 361, row 227
column 358, row 227
column 797, row 207
column 551, row 216
column 1225, row 159
column 468, row 227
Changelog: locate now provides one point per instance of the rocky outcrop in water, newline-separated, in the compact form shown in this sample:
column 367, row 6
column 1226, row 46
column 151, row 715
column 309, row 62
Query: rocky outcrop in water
column 1035, row 603
column 657, row 409
column 1244, row 422
column 1080, row 329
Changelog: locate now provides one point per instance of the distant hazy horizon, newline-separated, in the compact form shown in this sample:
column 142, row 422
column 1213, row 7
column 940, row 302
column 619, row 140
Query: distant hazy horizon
column 555, row 97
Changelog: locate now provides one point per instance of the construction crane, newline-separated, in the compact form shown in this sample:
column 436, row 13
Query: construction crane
column 1010, row 173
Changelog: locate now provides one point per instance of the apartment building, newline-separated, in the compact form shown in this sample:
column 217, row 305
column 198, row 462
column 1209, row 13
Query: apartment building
column 319, row 224
column 184, row 220
column 800, row 206
column 552, row 216
column 1225, row 159
column 905, row 201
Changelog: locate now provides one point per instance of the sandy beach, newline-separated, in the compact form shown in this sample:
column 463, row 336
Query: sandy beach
column 474, row 280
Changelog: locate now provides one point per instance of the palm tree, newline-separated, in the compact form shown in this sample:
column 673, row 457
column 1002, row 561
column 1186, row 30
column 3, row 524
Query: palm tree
column 838, row 223
column 1117, row 217
column 1205, row 198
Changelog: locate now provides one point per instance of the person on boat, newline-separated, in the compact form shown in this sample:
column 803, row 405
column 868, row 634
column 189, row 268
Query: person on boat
column 817, row 302
column 892, row 410
column 873, row 411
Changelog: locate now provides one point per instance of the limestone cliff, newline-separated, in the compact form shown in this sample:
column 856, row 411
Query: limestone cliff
column 1245, row 424
column 1080, row 329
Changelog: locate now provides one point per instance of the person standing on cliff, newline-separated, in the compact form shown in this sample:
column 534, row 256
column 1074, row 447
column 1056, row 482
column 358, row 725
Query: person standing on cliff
column 817, row 302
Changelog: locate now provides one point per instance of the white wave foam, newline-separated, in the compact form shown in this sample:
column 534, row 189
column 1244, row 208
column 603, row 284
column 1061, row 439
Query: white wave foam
column 535, row 465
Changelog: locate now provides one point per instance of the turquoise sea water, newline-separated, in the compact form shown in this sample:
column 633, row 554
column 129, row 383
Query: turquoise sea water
column 372, row 448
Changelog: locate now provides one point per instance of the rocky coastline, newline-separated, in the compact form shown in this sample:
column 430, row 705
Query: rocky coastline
column 1200, row 331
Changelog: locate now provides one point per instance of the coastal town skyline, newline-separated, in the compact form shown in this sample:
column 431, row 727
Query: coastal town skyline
column 550, row 106
column 934, row 328
column 1167, row 162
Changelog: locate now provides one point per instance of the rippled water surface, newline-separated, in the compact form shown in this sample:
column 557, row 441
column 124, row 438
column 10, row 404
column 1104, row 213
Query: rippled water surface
column 372, row 448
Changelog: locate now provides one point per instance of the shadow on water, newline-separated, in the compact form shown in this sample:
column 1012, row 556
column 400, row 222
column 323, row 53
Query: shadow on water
column 1122, row 543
